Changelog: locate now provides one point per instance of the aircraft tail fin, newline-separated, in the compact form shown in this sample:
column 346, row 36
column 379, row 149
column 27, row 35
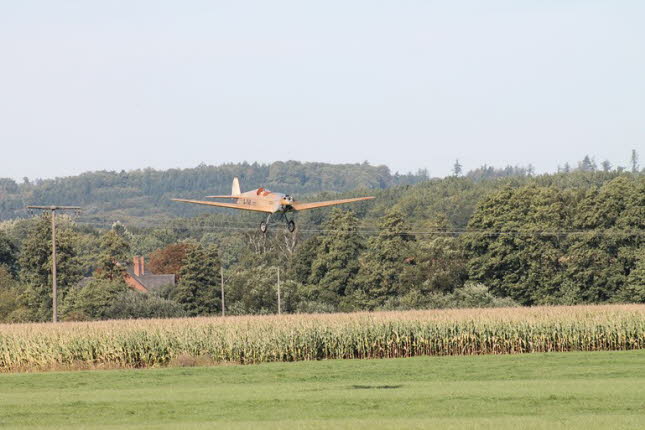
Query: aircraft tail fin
column 235, row 191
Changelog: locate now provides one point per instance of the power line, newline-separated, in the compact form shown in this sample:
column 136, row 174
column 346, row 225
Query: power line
column 451, row 232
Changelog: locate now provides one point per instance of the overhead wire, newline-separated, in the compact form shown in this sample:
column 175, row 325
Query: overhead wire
column 242, row 227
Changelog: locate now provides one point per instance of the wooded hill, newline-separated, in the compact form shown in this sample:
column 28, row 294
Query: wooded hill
column 148, row 191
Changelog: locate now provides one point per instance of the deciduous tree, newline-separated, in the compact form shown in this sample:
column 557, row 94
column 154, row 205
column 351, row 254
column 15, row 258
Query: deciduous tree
column 170, row 260
column 383, row 265
column 8, row 252
column 514, row 248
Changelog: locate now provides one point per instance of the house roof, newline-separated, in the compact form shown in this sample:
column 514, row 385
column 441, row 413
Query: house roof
column 150, row 281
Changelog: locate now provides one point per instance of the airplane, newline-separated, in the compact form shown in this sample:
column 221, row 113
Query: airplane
column 263, row 200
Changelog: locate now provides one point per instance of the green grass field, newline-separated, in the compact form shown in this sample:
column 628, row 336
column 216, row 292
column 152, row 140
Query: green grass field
column 554, row 390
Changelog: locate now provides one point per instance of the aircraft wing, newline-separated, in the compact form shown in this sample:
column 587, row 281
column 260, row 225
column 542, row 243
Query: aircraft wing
column 236, row 197
column 222, row 205
column 306, row 206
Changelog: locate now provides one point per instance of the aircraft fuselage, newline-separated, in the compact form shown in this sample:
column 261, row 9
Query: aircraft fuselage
column 265, row 200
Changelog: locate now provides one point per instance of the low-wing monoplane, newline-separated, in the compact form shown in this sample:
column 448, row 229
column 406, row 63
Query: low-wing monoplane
column 263, row 200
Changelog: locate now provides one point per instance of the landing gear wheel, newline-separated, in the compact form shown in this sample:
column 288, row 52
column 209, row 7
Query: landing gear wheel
column 291, row 226
column 263, row 227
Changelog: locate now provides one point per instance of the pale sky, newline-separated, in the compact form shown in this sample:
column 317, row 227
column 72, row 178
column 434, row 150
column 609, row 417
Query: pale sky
column 91, row 85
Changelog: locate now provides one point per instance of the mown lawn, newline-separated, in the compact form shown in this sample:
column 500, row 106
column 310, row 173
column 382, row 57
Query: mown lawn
column 556, row 390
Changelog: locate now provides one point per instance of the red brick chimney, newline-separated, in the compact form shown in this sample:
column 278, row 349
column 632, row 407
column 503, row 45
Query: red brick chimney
column 139, row 266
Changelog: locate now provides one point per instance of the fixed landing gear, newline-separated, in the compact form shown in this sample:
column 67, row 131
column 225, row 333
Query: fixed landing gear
column 264, row 225
column 291, row 225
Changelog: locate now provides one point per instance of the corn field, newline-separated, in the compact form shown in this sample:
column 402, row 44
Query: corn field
column 258, row 339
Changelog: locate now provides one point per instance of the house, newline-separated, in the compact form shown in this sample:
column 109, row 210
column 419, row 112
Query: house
column 138, row 279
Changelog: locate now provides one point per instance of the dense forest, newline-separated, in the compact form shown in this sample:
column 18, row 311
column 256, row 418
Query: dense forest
column 489, row 237
column 148, row 192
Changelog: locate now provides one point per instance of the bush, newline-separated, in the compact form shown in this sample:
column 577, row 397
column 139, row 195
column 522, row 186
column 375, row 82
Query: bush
column 471, row 295
column 92, row 300
column 133, row 304
column 76, row 316
column 9, row 293
column 313, row 307
column 19, row 315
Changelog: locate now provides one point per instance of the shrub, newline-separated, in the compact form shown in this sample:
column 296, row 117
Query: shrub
column 132, row 304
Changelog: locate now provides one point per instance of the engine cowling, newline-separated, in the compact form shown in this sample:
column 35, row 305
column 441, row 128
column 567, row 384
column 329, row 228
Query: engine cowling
column 287, row 201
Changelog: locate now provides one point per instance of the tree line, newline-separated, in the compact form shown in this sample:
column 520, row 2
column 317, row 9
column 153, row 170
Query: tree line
column 148, row 191
column 564, row 238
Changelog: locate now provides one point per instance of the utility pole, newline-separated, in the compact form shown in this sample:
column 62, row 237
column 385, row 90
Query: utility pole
column 221, row 272
column 279, row 299
column 53, row 210
column 54, row 284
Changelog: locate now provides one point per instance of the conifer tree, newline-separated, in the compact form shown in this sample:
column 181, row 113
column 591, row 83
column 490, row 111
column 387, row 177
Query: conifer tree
column 198, row 287
column 634, row 161
column 457, row 168
column 300, row 268
column 115, row 253
column 36, row 264
column 336, row 263
column 587, row 164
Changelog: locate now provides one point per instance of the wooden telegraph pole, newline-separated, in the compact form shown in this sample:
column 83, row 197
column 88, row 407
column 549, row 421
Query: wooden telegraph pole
column 53, row 210
column 221, row 272
column 279, row 298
